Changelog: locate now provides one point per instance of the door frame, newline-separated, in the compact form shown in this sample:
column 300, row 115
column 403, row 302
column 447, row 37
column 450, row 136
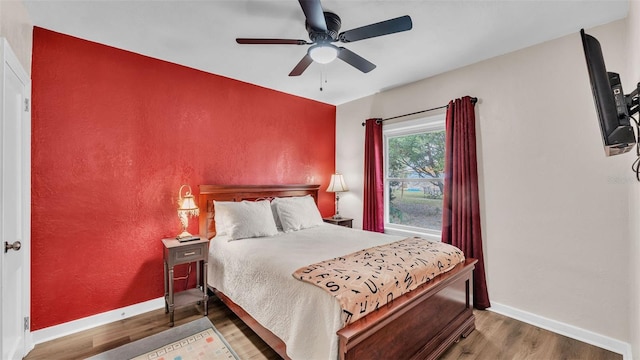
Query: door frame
column 11, row 63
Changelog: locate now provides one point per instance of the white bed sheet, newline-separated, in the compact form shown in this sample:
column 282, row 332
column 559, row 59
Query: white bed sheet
column 256, row 274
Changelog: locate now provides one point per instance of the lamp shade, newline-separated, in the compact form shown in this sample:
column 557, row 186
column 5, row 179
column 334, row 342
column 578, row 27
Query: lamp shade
column 187, row 203
column 337, row 184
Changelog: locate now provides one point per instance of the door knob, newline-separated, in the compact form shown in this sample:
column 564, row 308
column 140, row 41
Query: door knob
column 15, row 246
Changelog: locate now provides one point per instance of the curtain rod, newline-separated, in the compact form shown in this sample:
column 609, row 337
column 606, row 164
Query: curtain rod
column 473, row 101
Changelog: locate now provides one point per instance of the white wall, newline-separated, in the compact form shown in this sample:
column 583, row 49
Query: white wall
column 632, row 77
column 17, row 28
column 555, row 210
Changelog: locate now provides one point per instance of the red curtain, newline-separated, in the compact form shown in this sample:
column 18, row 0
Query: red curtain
column 373, row 217
column 461, row 207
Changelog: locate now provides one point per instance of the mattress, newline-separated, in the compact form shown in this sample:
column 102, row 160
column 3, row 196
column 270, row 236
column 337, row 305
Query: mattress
column 256, row 274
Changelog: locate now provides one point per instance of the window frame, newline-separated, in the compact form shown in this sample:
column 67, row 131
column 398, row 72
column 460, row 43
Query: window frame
column 398, row 129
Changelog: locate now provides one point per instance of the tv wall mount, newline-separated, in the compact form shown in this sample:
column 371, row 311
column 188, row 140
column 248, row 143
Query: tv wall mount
column 632, row 106
column 632, row 100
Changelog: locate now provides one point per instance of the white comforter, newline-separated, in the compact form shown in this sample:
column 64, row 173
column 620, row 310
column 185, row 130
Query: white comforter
column 256, row 274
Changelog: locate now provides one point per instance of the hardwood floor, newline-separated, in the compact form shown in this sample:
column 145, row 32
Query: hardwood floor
column 500, row 337
column 496, row 337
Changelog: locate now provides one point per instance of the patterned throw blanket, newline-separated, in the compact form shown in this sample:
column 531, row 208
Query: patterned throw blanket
column 367, row 279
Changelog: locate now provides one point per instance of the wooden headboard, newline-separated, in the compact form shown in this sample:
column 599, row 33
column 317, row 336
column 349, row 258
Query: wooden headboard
column 209, row 193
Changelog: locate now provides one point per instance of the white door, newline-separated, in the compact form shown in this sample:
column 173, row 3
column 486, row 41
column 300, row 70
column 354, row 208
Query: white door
column 15, row 161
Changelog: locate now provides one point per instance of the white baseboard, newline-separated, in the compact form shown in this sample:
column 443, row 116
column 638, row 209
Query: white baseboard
column 571, row 331
column 71, row 327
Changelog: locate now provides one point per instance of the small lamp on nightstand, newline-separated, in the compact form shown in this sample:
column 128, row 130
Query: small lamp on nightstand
column 186, row 207
column 337, row 185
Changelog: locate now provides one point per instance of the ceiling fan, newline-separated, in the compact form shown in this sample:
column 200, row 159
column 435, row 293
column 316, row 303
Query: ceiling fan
column 323, row 27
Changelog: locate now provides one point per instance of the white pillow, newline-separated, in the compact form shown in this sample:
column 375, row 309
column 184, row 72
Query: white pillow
column 245, row 219
column 274, row 210
column 297, row 213
column 221, row 229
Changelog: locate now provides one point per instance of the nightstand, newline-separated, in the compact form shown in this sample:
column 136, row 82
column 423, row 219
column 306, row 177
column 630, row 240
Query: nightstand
column 176, row 253
column 346, row 222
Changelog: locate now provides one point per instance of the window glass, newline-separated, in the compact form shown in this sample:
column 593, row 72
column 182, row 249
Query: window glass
column 414, row 175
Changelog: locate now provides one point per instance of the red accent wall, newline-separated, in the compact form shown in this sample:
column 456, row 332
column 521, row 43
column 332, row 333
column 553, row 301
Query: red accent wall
column 115, row 134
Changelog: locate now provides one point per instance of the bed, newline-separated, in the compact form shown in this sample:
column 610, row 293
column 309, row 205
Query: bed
column 421, row 324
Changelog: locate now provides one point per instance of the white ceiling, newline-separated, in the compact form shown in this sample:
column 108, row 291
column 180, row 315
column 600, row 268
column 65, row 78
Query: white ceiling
column 201, row 34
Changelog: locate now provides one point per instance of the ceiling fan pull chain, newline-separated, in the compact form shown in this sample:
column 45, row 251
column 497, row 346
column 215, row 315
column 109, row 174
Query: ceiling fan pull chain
column 322, row 82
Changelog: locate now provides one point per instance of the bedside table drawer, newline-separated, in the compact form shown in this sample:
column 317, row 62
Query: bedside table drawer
column 188, row 254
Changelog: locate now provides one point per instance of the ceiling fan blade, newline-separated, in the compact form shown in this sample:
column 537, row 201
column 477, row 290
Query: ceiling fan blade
column 271, row 41
column 402, row 23
column 355, row 60
column 315, row 15
column 302, row 66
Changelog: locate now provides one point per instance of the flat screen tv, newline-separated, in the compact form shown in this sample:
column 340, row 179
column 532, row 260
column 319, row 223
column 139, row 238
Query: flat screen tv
column 611, row 103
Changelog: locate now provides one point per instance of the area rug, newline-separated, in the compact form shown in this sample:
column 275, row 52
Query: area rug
column 197, row 340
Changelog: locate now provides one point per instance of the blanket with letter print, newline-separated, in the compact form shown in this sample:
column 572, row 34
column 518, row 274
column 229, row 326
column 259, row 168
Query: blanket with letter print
column 368, row 279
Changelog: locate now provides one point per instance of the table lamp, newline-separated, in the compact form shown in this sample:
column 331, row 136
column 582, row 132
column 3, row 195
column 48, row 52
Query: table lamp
column 337, row 185
column 186, row 207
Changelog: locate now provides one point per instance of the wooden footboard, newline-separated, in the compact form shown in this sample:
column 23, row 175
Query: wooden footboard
column 419, row 325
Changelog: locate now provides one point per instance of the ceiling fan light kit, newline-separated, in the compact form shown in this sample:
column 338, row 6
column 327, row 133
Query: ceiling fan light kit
column 323, row 28
column 323, row 53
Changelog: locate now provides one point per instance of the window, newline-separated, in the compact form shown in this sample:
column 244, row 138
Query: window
column 414, row 175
